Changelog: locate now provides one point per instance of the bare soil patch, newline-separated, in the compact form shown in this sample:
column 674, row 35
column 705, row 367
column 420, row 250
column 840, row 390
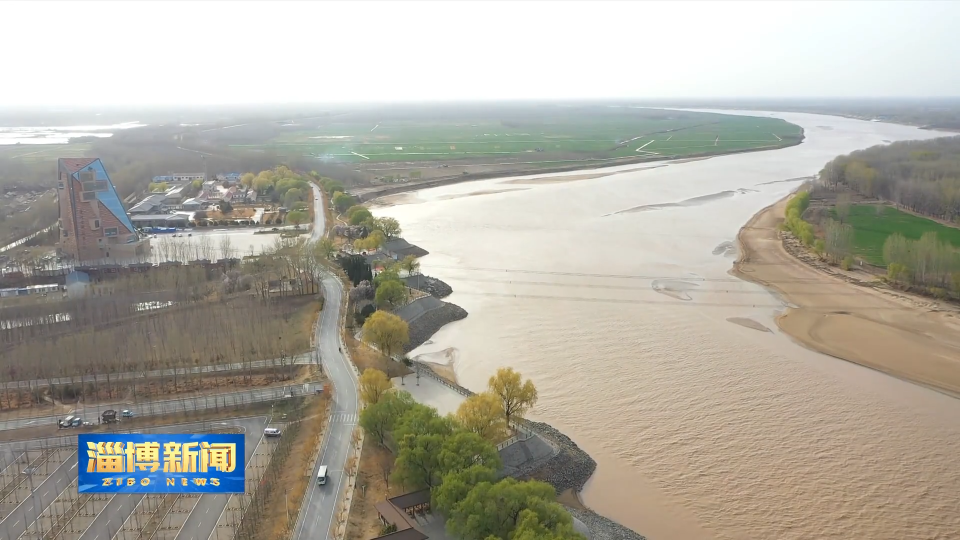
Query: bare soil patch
column 297, row 474
column 376, row 463
column 364, row 357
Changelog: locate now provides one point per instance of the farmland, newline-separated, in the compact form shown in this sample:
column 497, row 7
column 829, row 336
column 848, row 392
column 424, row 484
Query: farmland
column 871, row 229
column 33, row 153
column 532, row 135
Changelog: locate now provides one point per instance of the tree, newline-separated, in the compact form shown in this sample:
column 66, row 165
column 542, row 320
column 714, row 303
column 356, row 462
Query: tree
column 225, row 207
column 247, row 180
column 373, row 385
column 387, row 274
column 418, row 464
column 341, row 201
column 410, row 264
column 291, row 197
column 391, row 293
column 456, row 485
column 386, row 332
column 838, row 239
column 464, row 449
column 390, row 227
column 372, row 242
column 380, row 418
column 843, row 207
column 158, row 186
column 531, row 527
column 515, row 397
column 325, row 248
column 483, row 414
column 332, row 186
column 297, row 217
column 423, row 420
column 363, row 291
column 358, row 214
column 495, row 509
column 820, row 248
column 263, row 182
column 356, row 268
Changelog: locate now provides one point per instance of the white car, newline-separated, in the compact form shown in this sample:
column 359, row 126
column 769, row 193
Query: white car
column 271, row 432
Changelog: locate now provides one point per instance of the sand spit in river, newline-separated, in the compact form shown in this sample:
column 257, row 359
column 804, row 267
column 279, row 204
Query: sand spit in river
column 910, row 338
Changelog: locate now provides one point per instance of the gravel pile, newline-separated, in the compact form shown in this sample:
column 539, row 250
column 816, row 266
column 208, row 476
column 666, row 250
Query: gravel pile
column 429, row 285
column 602, row 528
column 570, row 468
column 424, row 326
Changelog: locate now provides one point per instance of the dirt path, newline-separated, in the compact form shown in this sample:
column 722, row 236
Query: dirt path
column 908, row 337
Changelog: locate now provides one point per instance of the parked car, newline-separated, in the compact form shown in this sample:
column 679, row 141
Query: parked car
column 126, row 413
column 271, row 432
column 87, row 424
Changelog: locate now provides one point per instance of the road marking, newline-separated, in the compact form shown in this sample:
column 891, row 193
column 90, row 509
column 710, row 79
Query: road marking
column 74, row 466
column 361, row 155
column 18, row 521
column 30, row 422
column 45, row 493
column 645, row 145
column 208, row 510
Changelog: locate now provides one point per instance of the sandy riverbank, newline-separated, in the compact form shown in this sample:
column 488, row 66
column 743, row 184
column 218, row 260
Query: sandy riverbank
column 909, row 337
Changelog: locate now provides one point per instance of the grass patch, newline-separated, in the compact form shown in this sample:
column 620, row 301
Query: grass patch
column 870, row 230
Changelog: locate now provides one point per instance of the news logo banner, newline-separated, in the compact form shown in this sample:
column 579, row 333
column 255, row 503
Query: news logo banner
column 160, row 463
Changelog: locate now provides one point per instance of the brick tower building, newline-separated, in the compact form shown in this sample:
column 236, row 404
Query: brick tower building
column 94, row 227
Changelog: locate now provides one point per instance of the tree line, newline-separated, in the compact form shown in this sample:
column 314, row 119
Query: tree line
column 171, row 318
column 456, row 458
column 922, row 176
column 927, row 263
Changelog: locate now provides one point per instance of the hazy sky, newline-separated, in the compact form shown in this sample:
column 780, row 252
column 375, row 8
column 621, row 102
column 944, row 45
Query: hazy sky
column 88, row 53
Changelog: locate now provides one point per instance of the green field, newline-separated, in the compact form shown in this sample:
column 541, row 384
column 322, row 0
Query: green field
column 871, row 230
column 555, row 135
column 43, row 152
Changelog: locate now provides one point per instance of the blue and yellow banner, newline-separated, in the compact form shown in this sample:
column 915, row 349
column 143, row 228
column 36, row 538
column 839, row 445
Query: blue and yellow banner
column 160, row 463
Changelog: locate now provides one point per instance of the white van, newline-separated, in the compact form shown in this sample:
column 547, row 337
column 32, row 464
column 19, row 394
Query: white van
column 322, row 475
column 67, row 422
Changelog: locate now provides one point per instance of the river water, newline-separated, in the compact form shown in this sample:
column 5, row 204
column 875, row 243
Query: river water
column 701, row 428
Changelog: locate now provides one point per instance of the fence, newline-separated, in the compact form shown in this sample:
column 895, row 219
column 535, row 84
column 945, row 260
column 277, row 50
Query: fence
column 216, row 402
column 523, row 431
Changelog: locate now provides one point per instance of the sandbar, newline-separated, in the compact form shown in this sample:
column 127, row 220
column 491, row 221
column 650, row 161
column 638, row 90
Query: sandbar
column 850, row 315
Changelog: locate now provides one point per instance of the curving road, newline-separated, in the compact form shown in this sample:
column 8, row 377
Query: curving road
column 320, row 503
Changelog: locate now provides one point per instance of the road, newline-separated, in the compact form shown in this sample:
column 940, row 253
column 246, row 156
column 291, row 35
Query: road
column 321, row 502
column 171, row 406
column 118, row 509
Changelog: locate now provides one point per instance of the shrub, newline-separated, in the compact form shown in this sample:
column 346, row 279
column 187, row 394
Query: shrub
column 846, row 263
